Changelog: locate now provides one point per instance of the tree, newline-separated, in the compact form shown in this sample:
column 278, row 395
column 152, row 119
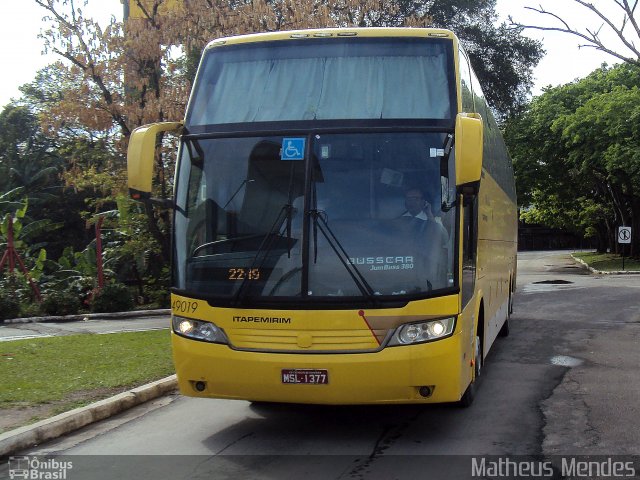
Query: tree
column 158, row 82
column 31, row 167
column 114, row 79
column 502, row 57
column 26, row 159
column 576, row 155
column 14, row 237
column 624, row 28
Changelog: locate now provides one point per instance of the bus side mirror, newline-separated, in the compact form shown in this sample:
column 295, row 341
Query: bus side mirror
column 468, row 150
column 141, row 156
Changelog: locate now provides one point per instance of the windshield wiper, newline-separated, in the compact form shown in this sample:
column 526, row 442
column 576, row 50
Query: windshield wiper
column 319, row 223
column 221, row 242
column 286, row 212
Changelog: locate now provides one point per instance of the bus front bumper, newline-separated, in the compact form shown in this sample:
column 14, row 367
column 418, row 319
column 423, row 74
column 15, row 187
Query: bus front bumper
column 392, row 375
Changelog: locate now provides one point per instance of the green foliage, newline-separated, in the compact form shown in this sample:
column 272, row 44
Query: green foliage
column 61, row 303
column 28, row 310
column 114, row 297
column 62, row 146
column 77, row 273
column 32, row 255
column 78, row 264
column 26, row 159
column 9, row 306
column 576, row 154
column 502, row 59
column 608, row 262
column 157, row 289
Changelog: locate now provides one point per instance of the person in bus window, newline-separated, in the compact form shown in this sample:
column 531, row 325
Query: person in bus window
column 428, row 234
column 419, row 208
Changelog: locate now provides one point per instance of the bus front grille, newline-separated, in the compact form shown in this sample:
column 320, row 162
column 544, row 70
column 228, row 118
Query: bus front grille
column 305, row 341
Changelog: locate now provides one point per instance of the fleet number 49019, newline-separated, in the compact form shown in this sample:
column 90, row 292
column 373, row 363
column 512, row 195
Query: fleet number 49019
column 184, row 306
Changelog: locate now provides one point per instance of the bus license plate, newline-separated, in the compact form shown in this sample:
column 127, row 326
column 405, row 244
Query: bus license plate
column 310, row 377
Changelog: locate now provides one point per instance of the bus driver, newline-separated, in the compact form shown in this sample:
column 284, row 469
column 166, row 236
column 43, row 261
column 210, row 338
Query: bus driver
column 429, row 235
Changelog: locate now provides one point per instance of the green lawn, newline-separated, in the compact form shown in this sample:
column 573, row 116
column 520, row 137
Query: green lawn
column 607, row 262
column 71, row 367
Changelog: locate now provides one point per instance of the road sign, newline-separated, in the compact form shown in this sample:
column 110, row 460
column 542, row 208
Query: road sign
column 624, row 234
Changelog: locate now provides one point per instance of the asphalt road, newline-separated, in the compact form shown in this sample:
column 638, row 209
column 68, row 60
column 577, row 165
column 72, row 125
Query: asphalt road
column 565, row 382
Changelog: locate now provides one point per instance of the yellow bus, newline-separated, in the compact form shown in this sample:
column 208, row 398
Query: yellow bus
column 344, row 219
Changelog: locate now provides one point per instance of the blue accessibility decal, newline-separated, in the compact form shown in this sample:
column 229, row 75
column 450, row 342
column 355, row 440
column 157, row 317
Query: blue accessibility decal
column 292, row 149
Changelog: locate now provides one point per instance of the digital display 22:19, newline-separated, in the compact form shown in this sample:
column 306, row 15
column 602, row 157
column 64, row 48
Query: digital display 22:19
column 244, row 274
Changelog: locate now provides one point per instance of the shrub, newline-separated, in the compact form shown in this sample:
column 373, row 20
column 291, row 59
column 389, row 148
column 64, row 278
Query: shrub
column 160, row 298
column 115, row 297
column 82, row 288
column 9, row 307
column 61, row 303
column 30, row 310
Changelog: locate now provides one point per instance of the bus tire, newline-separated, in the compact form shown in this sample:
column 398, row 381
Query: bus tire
column 504, row 331
column 470, row 393
column 510, row 302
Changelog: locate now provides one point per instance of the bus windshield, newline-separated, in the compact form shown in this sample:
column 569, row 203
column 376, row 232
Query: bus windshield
column 362, row 215
column 324, row 79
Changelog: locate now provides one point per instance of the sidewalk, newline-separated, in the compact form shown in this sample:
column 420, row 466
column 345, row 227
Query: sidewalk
column 101, row 323
column 97, row 323
column 93, row 316
column 26, row 437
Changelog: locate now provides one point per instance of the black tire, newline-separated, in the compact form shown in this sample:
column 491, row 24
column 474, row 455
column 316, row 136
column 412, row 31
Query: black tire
column 470, row 393
column 510, row 302
column 469, row 396
column 504, row 331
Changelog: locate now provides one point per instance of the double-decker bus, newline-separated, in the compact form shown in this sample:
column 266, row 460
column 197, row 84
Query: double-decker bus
column 344, row 219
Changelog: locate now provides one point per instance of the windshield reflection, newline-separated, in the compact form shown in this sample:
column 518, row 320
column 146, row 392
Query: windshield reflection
column 374, row 225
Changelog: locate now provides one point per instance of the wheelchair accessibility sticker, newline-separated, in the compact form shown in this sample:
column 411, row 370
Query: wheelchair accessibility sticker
column 292, row 149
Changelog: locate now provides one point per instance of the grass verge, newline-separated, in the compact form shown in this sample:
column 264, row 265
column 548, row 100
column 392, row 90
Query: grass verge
column 608, row 262
column 67, row 371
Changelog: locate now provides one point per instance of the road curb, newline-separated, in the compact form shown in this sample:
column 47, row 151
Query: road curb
column 25, row 437
column 602, row 272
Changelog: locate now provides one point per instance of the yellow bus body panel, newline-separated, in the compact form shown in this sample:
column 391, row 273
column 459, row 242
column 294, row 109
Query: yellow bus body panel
column 358, row 372
column 333, row 32
column 497, row 255
column 392, row 375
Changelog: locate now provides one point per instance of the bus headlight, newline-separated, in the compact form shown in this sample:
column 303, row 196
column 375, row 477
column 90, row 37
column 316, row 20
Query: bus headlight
column 423, row 331
column 198, row 330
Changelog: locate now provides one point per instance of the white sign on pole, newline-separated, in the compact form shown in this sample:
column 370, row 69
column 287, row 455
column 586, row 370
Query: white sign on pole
column 624, row 234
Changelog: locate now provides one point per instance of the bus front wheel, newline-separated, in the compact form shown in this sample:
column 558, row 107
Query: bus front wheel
column 470, row 393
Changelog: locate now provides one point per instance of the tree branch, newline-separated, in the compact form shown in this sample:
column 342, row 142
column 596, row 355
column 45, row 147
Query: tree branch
column 90, row 68
column 592, row 37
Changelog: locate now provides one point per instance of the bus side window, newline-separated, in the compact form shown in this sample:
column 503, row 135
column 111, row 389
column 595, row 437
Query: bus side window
column 469, row 242
column 465, row 82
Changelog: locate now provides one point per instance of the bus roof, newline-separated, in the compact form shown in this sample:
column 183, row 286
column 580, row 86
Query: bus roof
column 334, row 32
